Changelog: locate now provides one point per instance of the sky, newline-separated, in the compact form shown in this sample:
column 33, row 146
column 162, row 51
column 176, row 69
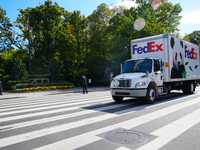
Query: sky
column 190, row 14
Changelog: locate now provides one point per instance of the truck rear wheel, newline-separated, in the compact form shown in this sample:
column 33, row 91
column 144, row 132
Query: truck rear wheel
column 117, row 98
column 188, row 87
column 151, row 95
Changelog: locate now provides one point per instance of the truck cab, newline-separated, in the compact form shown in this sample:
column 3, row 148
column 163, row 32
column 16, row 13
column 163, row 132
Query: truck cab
column 142, row 77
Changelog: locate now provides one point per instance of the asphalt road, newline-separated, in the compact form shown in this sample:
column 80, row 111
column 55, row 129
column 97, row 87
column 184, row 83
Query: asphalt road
column 72, row 120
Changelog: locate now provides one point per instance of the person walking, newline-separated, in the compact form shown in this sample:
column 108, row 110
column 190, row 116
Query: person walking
column 84, row 82
column 1, row 86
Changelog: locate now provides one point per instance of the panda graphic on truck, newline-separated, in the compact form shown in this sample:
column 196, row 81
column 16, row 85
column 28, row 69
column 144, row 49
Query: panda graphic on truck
column 180, row 53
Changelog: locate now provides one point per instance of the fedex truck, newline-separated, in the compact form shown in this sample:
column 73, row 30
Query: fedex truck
column 158, row 65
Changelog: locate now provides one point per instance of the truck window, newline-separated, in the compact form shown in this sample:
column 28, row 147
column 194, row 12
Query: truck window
column 156, row 65
column 141, row 65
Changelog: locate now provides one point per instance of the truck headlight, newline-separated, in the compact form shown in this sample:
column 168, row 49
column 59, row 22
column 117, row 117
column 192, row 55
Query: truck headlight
column 140, row 84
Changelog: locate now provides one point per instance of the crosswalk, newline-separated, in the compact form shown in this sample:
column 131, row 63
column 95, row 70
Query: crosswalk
column 77, row 121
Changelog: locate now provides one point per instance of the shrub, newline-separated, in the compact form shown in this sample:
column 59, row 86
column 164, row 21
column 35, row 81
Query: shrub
column 5, row 80
column 39, row 76
column 18, row 70
column 29, row 85
column 100, row 83
column 12, row 83
column 54, row 70
column 43, row 88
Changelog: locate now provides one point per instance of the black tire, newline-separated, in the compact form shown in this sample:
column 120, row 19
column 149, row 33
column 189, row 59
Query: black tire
column 184, row 87
column 117, row 98
column 188, row 87
column 151, row 95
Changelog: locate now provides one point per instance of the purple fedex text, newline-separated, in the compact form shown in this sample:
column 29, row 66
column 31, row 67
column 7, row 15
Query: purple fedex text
column 189, row 53
column 151, row 47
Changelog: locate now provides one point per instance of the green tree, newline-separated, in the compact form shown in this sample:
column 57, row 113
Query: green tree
column 98, row 21
column 18, row 70
column 54, row 70
column 7, row 40
column 79, row 25
column 47, row 27
column 193, row 37
column 6, row 59
column 165, row 19
column 98, row 38
column 5, row 31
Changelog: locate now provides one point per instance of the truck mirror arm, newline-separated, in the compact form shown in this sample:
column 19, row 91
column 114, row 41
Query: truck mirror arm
column 146, row 74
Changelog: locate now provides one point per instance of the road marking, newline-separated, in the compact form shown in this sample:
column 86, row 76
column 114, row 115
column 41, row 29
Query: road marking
column 35, row 102
column 57, row 118
column 91, row 136
column 172, row 130
column 45, row 112
column 122, row 148
column 72, row 143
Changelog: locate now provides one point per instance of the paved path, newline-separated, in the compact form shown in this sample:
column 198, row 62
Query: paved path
column 10, row 95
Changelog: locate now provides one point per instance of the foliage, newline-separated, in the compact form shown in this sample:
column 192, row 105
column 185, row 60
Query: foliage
column 162, row 20
column 100, row 83
column 47, row 29
column 38, row 68
column 193, row 37
column 7, row 40
column 97, row 64
column 6, row 60
column 5, row 31
column 78, row 25
column 42, row 88
column 39, row 76
column 75, row 74
column 29, row 85
column 54, row 70
column 18, row 70
column 11, row 83
column 98, row 22
column 85, row 45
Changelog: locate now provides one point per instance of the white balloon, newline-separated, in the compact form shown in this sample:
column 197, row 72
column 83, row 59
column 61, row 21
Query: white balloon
column 139, row 24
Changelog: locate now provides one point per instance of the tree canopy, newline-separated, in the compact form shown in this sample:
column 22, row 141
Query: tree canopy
column 87, row 45
column 5, row 31
column 193, row 37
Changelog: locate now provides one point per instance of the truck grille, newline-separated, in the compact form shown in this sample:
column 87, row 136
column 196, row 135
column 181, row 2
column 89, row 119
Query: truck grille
column 124, row 83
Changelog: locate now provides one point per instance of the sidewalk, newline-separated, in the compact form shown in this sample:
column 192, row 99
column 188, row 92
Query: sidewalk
column 10, row 95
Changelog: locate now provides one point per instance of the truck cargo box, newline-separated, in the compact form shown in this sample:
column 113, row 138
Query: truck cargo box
column 181, row 57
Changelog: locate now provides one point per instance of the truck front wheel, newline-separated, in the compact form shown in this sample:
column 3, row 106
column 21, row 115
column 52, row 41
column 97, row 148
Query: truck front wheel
column 117, row 98
column 151, row 95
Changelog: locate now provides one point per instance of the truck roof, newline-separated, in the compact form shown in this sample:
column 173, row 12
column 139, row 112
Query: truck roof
column 157, row 37
column 142, row 58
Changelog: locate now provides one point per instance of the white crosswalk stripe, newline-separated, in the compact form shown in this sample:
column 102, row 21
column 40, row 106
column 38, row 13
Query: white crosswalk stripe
column 84, row 117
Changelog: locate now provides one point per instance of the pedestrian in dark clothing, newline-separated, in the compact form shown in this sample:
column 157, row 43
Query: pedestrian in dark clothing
column 1, row 86
column 84, row 82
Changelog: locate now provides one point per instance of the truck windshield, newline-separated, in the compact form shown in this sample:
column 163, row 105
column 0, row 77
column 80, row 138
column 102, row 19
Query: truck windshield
column 141, row 65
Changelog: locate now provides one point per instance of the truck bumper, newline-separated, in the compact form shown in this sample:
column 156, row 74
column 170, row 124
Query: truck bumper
column 128, row 92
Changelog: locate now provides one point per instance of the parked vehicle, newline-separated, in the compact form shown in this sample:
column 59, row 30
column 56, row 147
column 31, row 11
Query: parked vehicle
column 158, row 65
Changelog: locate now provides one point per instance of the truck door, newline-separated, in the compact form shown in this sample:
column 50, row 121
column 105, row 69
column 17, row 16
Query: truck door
column 158, row 75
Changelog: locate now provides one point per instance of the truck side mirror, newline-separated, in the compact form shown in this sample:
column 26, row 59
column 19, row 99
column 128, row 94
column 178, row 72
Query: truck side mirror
column 111, row 76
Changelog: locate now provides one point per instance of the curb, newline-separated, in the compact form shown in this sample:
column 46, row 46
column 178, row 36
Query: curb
column 10, row 95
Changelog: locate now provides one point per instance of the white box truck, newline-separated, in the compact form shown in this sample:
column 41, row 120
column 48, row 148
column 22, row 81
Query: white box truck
column 158, row 65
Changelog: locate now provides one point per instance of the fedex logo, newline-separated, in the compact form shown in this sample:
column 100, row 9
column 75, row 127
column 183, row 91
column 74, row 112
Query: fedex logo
column 151, row 47
column 189, row 53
